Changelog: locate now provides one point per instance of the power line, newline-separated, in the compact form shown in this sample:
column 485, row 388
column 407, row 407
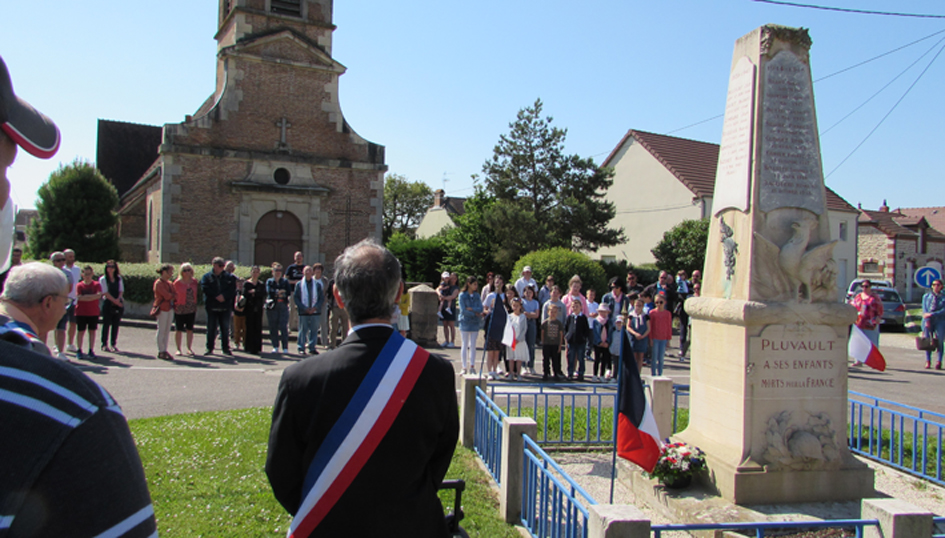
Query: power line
column 903, row 72
column 864, row 62
column 845, row 69
column 697, row 123
column 888, row 113
column 850, row 10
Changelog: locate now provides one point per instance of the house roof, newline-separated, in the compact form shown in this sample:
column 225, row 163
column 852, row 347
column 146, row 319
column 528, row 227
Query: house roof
column 894, row 224
column 126, row 151
column 694, row 163
column 935, row 216
column 454, row 205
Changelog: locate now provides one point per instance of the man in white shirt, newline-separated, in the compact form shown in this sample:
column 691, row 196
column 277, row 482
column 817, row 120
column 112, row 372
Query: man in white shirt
column 76, row 278
column 525, row 281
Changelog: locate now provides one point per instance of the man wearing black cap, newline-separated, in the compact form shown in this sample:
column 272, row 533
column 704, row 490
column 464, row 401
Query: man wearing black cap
column 69, row 465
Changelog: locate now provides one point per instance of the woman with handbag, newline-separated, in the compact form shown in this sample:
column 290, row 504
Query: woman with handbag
column 161, row 310
column 278, row 292
column 933, row 321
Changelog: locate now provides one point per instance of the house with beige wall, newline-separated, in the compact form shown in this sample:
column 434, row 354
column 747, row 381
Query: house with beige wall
column 894, row 244
column 440, row 215
column 661, row 180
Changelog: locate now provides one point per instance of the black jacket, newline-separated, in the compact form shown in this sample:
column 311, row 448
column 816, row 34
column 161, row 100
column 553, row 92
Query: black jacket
column 223, row 284
column 395, row 492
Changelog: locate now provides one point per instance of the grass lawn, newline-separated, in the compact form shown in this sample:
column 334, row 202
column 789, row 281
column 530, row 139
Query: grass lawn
column 206, row 476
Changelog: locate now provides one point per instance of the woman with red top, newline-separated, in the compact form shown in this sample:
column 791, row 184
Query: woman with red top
column 185, row 307
column 164, row 296
column 661, row 330
column 869, row 311
column 88, row 292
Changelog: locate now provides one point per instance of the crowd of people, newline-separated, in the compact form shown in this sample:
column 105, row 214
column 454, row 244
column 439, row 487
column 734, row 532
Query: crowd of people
column 235, row 307
column 519, row 318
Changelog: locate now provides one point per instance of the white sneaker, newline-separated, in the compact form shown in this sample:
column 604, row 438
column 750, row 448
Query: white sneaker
column 439, row 314
column 62, row 356
column 71, row 348
column 275, row 350
column 285, row 351
column 448, row 311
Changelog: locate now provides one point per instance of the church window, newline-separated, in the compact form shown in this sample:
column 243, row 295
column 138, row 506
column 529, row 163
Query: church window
column 843, row 231
column 282, row 176
column 286, row 7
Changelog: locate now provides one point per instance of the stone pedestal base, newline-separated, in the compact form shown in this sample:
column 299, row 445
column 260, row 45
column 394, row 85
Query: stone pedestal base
column 768, row 401
column 749, row 483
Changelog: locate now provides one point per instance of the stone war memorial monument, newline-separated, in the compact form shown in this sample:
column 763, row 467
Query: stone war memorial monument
column 769, row 371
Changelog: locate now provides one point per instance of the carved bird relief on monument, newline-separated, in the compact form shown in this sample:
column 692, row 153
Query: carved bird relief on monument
column 795, row 271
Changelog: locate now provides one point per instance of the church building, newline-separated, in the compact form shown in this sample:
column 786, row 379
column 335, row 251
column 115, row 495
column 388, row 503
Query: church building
column 265, row 167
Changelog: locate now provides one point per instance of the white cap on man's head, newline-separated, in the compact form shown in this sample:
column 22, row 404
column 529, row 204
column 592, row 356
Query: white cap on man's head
column 527, row 269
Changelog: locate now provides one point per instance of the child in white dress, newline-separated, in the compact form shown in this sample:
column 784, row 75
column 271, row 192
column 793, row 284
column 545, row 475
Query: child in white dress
column 519, row 352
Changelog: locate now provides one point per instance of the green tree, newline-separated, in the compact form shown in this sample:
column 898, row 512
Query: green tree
column 471, row 244
column 563, row 264
column 545, row 198
column 76, row 209
column 683, row 247
column 420, row 258
column 405, row 204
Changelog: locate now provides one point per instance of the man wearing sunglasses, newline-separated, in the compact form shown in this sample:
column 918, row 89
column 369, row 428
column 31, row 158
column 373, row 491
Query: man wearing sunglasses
column 69, row 465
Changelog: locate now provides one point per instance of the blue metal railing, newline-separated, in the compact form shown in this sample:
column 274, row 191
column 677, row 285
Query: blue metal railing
column 553, row 505
column 760, row 528
column 487, row 438
column 567, row 413
column 938, row 523
column 678, row 390
column 879, row 432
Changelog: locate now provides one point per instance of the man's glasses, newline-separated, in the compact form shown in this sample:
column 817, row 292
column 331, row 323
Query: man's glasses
column 59, row 260
column 660, row 302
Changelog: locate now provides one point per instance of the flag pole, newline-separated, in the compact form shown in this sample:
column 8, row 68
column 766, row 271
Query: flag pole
column 618, row 372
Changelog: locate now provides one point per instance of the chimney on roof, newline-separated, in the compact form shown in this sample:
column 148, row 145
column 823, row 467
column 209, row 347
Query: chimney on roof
column 884, row 208
column 439, row 196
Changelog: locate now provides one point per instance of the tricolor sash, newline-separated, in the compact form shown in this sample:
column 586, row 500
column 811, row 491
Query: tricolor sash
column 359, row 430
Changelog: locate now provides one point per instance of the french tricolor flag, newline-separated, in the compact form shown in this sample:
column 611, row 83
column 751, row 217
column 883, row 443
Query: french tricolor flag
column 638, row 437
column 862, row 349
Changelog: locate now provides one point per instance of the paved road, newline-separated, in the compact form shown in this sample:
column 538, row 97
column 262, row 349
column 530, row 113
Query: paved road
column 147, row 387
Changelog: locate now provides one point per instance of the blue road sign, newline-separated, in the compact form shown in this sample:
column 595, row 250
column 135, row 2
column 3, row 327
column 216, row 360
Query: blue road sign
column 925, row 275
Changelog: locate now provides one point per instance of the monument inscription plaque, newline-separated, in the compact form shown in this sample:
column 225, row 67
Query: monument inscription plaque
column 790, row 151
column 733, row 175
column 791, row 363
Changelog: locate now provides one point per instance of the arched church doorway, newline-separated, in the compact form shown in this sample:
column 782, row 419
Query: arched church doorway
column 278, row 238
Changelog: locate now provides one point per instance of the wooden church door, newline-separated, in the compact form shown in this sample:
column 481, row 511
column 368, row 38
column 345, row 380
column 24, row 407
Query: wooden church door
column 278, row 238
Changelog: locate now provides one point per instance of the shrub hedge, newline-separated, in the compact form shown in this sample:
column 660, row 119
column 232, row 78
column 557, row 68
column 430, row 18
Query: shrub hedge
column 562, row 263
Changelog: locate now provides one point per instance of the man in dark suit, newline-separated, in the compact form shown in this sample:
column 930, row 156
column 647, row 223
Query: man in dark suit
column 334, row 478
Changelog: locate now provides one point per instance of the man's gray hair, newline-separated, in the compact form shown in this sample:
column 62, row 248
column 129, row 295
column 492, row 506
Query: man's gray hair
column 30, row 283
column 55, row 254
column 367, row 277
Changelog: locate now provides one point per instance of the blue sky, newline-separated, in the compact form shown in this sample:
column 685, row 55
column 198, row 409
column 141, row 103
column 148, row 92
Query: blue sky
column 438, row 82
